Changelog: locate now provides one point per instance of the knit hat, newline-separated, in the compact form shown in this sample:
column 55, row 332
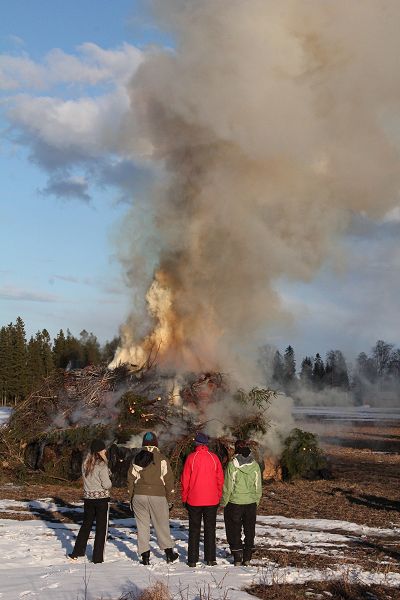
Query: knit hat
column 97, row 446
column 150, row 439
column 201, row 439
column 242, row 448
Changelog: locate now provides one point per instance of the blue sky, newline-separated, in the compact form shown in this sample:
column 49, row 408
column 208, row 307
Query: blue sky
column 57, row 266
column 64, row 195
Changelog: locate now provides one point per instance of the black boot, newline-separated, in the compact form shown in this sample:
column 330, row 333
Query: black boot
column 247, row 554
column 146, row 558
column 237, row 557
column 171, row 555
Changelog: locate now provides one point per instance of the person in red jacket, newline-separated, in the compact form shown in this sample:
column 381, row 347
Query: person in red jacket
column 202, row 482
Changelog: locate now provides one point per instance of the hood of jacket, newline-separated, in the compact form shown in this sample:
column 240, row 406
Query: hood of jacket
column 243, row 462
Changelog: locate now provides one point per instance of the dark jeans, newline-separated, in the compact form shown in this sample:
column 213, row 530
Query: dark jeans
column 93, row 510
column 237, row 516
column 209, row 516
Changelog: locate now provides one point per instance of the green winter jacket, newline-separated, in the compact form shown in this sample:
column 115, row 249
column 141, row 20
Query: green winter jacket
column 243, row 483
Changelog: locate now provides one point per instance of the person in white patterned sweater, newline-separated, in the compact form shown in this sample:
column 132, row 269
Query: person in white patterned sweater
column 96, row 493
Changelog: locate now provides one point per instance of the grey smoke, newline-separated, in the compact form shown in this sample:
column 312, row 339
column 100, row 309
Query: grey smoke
column 270, row 126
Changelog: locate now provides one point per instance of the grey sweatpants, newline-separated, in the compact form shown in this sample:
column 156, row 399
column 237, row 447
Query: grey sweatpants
column 152, row 509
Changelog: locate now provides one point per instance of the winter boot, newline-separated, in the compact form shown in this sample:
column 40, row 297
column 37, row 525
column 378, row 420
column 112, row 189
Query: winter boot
column 237, row 557
column 247, row 554
column 171, row 555
column 146, row 558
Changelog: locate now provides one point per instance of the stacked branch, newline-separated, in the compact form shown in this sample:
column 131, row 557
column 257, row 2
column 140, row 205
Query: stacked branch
column 51, row 429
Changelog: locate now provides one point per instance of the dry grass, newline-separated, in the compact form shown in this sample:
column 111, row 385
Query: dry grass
column 157, row 591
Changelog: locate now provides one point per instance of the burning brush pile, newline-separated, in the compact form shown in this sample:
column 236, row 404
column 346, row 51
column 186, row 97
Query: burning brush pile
column 52, row 428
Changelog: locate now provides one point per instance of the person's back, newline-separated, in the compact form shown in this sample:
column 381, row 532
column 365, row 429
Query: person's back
column 241, row 496
column 150, row 486
column 156, row 479
column 243, row 482
column 96, row 493
column 97, row 482
column 202, row 478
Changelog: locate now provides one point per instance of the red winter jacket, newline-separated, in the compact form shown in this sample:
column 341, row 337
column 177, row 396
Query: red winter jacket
column 202, row 478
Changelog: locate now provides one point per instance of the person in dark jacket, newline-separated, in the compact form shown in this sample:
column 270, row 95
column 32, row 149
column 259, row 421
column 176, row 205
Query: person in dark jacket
column 202, row 480
column 96, row 504
column 241, row 496
column 151, row 487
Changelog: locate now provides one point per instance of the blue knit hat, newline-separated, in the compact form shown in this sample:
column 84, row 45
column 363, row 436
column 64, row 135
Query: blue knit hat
column 149, row 439
column 201, row 439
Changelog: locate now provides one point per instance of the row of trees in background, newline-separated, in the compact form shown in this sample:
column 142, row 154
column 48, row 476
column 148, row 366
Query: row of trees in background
column 25, row 363
column 372, row 376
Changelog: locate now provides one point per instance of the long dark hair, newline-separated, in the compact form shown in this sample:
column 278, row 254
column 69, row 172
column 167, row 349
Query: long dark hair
column 90, row 461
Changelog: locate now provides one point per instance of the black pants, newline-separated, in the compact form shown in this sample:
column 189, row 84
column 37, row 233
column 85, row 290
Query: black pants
column 209, row 516
column 237, row 516
column 93, row 510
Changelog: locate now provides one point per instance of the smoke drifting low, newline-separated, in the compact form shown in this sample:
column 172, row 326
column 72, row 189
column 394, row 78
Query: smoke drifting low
column 269, row 127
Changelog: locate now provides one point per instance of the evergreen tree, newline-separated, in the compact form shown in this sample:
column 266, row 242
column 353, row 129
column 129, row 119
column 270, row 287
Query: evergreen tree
column 35, row 362
column 306, row 373
column 18, row 361
column 73, row 352
column 40, row 358
column 318, row 373
column 5, row 350
column 289, row 368
column 47, row 353
column 336, row 373
column 90, row 349
column 60, row 358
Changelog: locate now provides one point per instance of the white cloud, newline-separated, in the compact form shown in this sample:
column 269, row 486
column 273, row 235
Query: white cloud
column 80, row 129
column 20, row 71
column 9, row 292
column 88, row 125
column 91, row 65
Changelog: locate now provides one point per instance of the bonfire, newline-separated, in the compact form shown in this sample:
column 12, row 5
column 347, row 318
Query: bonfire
column 51, row 429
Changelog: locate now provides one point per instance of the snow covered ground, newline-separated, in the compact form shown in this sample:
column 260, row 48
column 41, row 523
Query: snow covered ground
column 34, row 563
column 5, row 412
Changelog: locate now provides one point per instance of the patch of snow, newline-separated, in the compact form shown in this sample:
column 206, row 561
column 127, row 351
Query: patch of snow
column 34, row 563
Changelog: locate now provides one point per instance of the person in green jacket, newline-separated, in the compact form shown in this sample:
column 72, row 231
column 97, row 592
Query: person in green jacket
column 241, row 496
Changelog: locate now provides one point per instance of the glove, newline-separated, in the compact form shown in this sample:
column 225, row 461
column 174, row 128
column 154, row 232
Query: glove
column 170, row 506
column 185, row 505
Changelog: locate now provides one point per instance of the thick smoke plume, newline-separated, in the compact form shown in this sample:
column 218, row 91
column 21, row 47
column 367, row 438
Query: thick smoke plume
column 269, row 124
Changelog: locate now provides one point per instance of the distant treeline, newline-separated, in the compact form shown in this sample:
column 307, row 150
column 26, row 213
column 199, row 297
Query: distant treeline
column 25, row 363
column 373, row 378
